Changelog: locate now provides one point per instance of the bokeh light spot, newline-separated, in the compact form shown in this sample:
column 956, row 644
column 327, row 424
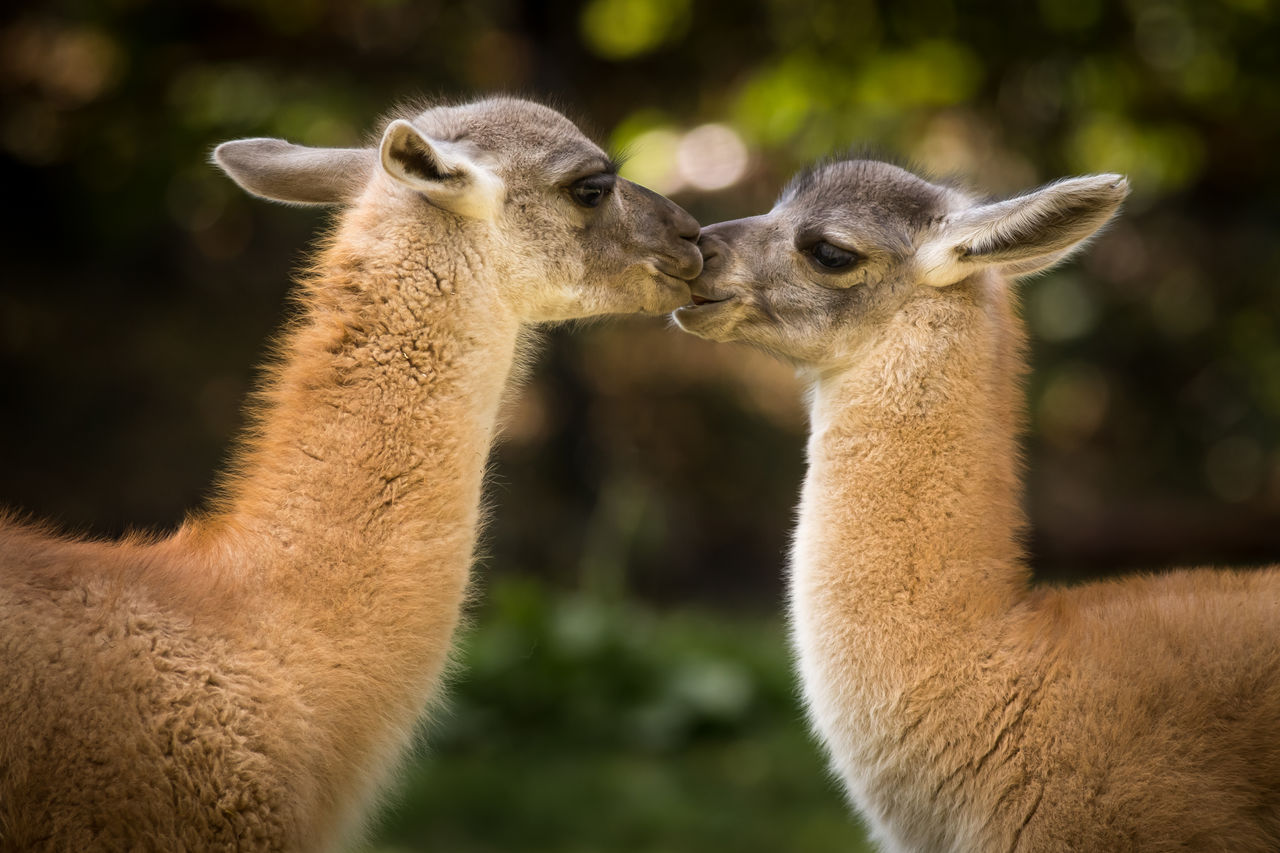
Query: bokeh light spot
column 651, row 160
column 777, row 101
column 73, row 65
column 711, row 157
column 623, row 29
column 1153, row 157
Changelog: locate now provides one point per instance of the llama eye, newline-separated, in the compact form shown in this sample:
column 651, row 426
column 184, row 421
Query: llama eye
column 831, row 257
column 590, row 191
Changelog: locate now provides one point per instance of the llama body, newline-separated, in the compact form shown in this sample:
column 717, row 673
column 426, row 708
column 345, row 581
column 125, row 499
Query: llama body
column 966, row 710
column 250, row 681
column 963, row 708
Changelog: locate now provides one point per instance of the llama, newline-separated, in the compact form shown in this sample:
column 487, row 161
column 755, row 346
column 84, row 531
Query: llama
column 963, row 708
column 250, row 681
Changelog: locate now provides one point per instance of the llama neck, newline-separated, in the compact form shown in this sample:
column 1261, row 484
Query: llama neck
column 908, row 549
column 355, row 507
column 343, row 542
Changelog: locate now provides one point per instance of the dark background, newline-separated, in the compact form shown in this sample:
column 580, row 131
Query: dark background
column 646, row 485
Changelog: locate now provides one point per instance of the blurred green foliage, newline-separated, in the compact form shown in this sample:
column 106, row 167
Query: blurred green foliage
column 641, row 466
column 584, row 723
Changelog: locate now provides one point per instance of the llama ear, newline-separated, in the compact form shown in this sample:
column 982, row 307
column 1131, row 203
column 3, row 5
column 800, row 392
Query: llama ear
column 442, row 171
column 1023, row 235
column 280, row 171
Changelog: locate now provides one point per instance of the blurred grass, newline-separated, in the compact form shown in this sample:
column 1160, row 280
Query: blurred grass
column 578, row 723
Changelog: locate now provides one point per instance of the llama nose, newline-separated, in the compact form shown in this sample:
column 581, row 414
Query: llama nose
column 685, row 225
column 710, row 246
column 730, row 231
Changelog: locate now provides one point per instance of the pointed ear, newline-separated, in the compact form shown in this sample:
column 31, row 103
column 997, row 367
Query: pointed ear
column 442, row 171
column 1023, row 235
column 280, row 171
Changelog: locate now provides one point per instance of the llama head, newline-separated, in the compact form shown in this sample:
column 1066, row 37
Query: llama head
column 534, row 208
column 849, row 243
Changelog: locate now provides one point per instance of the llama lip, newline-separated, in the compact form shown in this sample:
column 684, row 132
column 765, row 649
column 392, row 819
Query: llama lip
column 699, row 299
column 676, row 278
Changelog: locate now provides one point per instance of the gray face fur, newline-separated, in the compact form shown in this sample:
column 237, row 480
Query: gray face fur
column 849, row 242
column 536, row 205
column 634, row 251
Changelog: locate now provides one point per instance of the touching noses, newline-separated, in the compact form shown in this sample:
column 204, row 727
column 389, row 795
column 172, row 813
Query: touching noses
column 677, row 230
column 689, row 260
column 713, row 240
column 710, row 245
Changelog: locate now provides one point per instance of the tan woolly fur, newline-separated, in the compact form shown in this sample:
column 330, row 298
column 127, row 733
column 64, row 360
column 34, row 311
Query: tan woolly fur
column 249, row 682
column 963, row 707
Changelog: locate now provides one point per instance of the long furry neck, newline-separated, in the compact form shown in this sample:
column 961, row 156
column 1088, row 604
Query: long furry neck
column 907, row 558
column 910, row 528
column 353, row 508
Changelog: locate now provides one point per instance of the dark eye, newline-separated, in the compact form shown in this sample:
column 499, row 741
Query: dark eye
column 831, row 257
column 590, row 191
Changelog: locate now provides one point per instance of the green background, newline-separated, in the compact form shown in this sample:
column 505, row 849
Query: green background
column 625, row 682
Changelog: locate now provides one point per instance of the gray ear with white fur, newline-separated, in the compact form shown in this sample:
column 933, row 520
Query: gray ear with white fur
column 295, row 174
column 1023, row 235
column 448, row 174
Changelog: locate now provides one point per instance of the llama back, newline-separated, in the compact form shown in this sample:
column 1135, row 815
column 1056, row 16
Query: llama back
column 1163, row 698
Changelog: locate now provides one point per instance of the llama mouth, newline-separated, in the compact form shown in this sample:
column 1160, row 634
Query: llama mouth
column 699, row 299
column 669, row 279
column 683, row 269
